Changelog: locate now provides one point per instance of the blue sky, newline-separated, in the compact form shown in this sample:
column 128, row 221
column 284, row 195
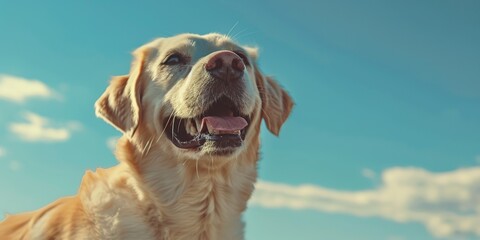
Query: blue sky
column 383, row 143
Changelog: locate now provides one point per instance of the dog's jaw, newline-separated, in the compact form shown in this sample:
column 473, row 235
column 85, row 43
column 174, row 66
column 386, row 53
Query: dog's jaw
column 192, row 199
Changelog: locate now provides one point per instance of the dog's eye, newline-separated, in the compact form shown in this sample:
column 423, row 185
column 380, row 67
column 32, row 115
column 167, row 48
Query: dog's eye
column 174, row 59
column 243, row 57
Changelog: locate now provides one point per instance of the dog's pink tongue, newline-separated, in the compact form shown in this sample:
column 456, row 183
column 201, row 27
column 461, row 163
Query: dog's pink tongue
column 224, row 124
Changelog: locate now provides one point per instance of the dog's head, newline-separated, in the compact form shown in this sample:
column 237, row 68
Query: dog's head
column 197, row 95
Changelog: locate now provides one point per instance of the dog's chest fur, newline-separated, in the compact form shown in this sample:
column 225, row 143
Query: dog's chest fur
column 171, row 201
column 208, row 208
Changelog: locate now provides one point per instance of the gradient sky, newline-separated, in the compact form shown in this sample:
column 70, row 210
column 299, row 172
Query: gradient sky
column 383, row 143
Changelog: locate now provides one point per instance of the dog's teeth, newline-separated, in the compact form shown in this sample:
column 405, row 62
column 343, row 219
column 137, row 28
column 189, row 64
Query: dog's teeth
column 236, row 132
column 198, row 123
column 190, row 127
column 211, row 130
column 219, row 132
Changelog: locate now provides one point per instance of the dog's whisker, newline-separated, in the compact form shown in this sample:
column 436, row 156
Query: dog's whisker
column 196, row 169
column 148, row 146
column 173, row 126
column 145, row 146
column 165, row 127
column 241, row 31
column 247, row 34
column 178, row 125
column 232, row 28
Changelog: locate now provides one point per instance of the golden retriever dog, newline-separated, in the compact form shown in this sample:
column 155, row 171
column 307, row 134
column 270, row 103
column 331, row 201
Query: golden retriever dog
column 190, row 112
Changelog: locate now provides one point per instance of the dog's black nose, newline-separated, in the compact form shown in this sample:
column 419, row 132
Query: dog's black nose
column 225, row 65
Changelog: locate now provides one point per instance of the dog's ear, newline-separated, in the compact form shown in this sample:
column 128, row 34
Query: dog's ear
column 120, row 104
column 276, row 102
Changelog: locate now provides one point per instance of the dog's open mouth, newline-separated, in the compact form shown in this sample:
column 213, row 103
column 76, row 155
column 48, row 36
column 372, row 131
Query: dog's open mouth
column 221, row 124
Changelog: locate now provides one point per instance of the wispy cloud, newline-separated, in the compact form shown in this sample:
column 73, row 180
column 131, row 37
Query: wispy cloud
column 12, row 165
column 15, row 165
column 2, row 151
column 37, row 128
column 446, row 203
column 17, row 89
column 369, row 173
column 112, row 142
column 395, row 238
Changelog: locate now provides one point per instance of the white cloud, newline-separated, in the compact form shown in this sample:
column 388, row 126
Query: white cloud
column 19, row 89
column 74, row 126
column 2, row 151
column 15, row 165
column 112, row 142
column 395, row 238
column 447, row 203
column 37, row 128
column 369, row 173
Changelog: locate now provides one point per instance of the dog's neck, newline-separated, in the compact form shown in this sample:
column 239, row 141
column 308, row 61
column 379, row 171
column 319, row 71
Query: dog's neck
column 191, row 198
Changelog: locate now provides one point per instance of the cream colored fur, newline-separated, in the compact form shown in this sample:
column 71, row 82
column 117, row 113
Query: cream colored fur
column 159, row 191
